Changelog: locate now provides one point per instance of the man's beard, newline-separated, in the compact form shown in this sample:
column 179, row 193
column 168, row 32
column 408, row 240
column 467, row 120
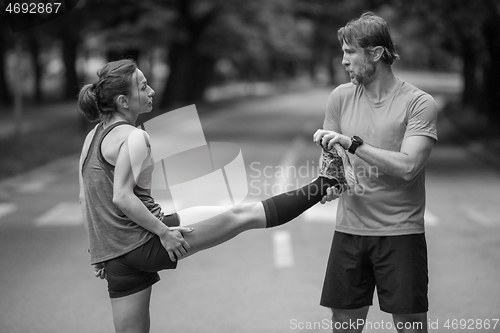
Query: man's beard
column 366, row 75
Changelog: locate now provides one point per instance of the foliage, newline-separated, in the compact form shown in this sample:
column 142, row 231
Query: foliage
column 253, row 29
column 266, row 39
column 470, row 30
column 127, row 24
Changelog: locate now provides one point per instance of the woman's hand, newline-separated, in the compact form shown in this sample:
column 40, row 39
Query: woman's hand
column 327, row 139
column 173, row 241
column 100, row 271
column 332, row 193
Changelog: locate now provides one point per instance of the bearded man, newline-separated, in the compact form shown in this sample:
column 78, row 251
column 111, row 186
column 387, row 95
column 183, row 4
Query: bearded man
column 389, row 126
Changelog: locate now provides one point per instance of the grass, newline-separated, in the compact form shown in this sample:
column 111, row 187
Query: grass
column 50, row 131
column 39, row 147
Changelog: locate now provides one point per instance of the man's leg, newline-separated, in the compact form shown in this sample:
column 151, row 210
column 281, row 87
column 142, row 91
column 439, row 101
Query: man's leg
column 401, row 272
column 411, row 323
column 349, row 283
column 349, row 321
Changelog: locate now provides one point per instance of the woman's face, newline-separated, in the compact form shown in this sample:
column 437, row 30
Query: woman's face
column 141, row 95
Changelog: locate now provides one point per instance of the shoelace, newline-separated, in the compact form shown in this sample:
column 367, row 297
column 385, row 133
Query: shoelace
column 349, row 174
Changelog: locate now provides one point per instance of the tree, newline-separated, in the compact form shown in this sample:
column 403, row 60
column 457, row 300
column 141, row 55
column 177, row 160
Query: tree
column 326, row 17
column 31, row 38
column 38, row 39
column 469, row 29
column 126, row 28
column 190, row 69
column 259, row 37
column 491, row 69
column 68, row 30
column 5, row 44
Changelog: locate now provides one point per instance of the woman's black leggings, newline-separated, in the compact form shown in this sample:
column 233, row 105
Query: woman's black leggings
column 285, row 207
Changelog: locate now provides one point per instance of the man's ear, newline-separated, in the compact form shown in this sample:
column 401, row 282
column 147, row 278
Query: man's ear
column 378, row 52
column 123, row 101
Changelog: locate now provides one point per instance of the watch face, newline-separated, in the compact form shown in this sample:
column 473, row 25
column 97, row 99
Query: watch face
column 357, row 139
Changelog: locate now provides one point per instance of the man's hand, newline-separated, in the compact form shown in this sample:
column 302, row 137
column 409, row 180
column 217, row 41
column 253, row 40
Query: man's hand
column 332, row 193
column 175, row 244
column 100, row 271
column 327, row 139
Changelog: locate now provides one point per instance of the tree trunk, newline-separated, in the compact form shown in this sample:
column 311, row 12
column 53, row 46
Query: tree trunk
column 311, row 68
column 182, row 62
column 330, row 58
column 70, row 46
column 190, row 71
column 469, row 58
column 190, row 75
column 201, row 78
column 491, row 74
column 5, row 94
column 34, row 50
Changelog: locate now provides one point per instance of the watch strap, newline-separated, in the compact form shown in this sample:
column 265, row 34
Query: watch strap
column 354, row 145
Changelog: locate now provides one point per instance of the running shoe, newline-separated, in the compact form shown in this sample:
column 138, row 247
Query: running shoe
column 335, row 164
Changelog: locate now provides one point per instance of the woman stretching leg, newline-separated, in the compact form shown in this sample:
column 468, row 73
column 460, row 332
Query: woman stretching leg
column 272, row 212
column 130, row 238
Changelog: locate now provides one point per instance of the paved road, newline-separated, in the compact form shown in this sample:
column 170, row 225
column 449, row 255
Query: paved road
column 263, row 281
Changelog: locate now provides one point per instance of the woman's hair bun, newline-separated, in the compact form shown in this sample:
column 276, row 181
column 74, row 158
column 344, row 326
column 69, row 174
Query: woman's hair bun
column 97, row 100
column 87, row 103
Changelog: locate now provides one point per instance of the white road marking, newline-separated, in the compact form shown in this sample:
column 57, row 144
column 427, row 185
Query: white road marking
column 282, row 240
column 62, row 214
column 32, row 187
column 319, row 213
column 486, row 216
column 430, row 219
column 282, row 245
column 35, row 185
column 7, row 208
column 288, row 164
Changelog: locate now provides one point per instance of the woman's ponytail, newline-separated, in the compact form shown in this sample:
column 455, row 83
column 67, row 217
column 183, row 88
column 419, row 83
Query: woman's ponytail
column 87, row 103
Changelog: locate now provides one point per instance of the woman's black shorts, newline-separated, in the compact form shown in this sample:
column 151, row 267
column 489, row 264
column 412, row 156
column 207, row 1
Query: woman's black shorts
column 138, row 269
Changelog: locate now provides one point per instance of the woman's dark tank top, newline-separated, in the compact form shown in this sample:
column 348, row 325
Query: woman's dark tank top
column 111, row 232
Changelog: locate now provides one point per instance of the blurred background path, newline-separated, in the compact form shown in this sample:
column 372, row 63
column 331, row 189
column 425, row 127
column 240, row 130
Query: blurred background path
column 262, row 281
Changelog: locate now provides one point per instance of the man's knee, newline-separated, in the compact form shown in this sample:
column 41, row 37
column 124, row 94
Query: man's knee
column 413, row 322
column 349, row 320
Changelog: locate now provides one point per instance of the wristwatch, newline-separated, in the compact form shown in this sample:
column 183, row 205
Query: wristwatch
column 356, row 141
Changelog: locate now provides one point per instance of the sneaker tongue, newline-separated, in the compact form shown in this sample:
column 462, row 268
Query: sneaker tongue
column 349, row 173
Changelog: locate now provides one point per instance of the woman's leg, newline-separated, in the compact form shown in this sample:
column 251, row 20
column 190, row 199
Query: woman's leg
column 223, row 227
column 131, row 313
column 269, row 213
column 274, row 211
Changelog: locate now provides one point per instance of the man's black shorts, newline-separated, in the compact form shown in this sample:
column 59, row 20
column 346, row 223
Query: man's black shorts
column 397, row 265
column 138, row 269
